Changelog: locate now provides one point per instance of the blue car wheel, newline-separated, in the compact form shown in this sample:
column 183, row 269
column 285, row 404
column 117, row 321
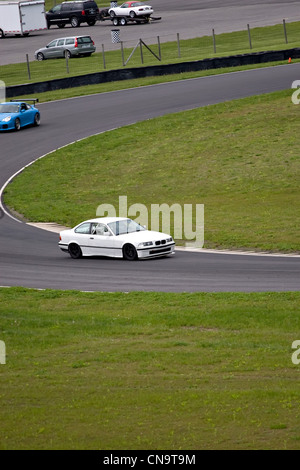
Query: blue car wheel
column 17, row 124
column 37, row 119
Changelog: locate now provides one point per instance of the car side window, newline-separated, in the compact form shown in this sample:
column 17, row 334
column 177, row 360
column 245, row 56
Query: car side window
column 101, row 229
column 61, row 42
column 84, row 228
column 56, row 9
column 66, row 7
column 52, row 44
column 70, row 41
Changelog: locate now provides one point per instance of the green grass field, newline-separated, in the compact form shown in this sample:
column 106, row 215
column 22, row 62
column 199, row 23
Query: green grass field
column 264, row 38
column 239, row 159
column 148, row 371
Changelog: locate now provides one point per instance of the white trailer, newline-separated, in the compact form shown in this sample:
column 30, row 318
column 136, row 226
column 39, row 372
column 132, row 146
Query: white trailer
column 21, row 18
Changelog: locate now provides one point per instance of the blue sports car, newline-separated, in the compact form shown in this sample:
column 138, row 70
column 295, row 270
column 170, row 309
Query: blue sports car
column 16, row 114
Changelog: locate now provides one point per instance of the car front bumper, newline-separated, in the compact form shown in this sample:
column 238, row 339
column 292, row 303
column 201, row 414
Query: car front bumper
column 7, row 126
column 154, row 251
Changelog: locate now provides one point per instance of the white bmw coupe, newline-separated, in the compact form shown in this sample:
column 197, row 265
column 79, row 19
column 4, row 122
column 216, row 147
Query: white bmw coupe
column 131, row 9
column 117, row 237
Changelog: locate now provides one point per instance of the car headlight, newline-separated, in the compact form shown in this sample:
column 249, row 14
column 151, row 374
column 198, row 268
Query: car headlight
column 8, row 118
column 146, row 244
column 168, row 240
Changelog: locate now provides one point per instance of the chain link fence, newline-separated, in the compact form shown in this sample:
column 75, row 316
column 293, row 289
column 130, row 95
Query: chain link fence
column 152, row 50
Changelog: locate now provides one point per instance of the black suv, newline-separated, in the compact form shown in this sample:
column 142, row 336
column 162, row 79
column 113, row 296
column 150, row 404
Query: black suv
column 73, row 13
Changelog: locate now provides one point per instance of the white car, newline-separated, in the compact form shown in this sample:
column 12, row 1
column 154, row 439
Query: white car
column 117, row 237
column 131, row 10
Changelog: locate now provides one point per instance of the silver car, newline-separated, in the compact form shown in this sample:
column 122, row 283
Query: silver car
column 66, row 47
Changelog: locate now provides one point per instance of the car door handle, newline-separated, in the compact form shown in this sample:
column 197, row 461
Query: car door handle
column 91, row 238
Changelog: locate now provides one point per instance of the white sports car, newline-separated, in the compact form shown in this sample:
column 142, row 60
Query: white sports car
column 117, row 237
column 132, row 10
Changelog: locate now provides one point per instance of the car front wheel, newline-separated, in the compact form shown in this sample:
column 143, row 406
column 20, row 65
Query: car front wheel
column 17, row 124
column 132, row 14
column 40, row 56
column 129, row 252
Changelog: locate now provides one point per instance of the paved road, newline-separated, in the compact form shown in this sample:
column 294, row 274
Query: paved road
column 30, row 256
column 189, row 18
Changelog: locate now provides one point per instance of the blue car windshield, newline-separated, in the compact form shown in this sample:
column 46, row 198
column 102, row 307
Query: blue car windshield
column 9, row 108
column 125, row 226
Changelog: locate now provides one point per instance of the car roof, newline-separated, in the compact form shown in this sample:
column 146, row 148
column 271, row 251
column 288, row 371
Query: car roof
column 105, row 220
column 73, row 37
column 80, row 1
column 13, row 102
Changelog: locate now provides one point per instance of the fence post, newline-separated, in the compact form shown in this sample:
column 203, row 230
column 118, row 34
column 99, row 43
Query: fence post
column 67, row 63
column 214, row 40
column 103, row 56
column 159, row 49
column 249, row 36
column 178, row 45
column 285, row 33
column 122, row 52
column 28, row 67
column 141, row 50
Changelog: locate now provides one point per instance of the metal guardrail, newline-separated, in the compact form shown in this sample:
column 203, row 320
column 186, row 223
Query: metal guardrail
column 154, row 70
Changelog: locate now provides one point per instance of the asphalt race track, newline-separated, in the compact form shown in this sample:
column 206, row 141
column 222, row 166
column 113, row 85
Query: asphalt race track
column 30, row 257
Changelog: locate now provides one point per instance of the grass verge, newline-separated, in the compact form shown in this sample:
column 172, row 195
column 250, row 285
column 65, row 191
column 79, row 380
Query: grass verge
column 264, row 38
column 148, row 371
column 239, row 159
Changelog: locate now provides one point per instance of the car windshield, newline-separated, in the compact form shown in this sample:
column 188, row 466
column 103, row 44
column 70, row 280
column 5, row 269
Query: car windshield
column 121, row 227
column 85, row 39
column 133, row 4
column 9, row 108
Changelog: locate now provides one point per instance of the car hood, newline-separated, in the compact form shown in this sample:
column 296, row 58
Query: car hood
column 4, row 115
column 144, row 236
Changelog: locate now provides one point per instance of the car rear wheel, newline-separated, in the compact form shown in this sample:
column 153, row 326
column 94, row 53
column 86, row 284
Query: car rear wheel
column 67, row 54
column 40, row 56
column 17, row 124
column 75, row 251
column 37, row 119
column 74, row 22
column 129, row 252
